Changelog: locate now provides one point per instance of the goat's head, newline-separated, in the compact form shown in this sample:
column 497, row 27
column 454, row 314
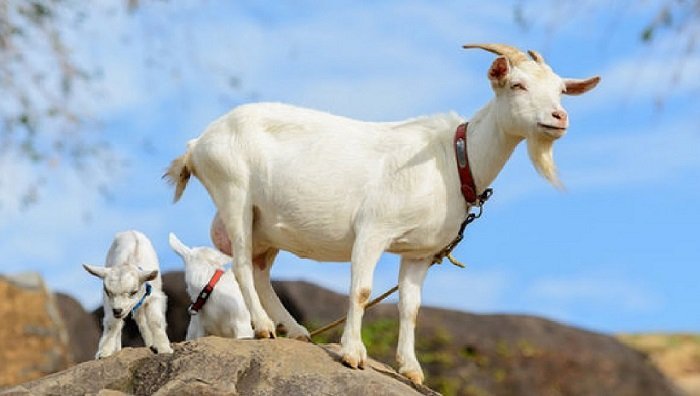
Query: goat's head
column 528, row 99
column 194, row 257
column 122, row 286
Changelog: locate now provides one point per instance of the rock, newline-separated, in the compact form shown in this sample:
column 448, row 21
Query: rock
column 83, row 330
column 176, row 315
column 33, row 337
column 464, row 353
column 219, row 366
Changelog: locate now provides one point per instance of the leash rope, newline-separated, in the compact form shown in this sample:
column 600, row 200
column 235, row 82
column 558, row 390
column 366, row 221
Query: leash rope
column 446, row 252
column 342, row 320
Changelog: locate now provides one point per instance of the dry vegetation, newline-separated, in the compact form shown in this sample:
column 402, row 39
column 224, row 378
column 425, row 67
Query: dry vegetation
column 676, row 355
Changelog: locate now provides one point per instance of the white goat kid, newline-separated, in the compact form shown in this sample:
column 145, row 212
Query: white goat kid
column 132, row 284
column 336, row 189
column 263, row 286
column 224, row 314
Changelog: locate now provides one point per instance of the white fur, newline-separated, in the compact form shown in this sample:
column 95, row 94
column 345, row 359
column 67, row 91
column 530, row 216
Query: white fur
column 331, row 188
column 131, row 262
column 224, row 314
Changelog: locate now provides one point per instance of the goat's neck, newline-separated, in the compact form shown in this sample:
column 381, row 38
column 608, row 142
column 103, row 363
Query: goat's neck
column 488, row 146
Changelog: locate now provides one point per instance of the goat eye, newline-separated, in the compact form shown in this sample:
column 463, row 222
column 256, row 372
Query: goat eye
column 519, row 86
column 133, row 293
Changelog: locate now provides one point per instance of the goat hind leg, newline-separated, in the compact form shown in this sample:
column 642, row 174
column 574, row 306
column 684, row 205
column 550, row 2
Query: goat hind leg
column 270, row 300
column 237, row 214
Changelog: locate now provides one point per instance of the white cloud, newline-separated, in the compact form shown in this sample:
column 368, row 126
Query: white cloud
column 469, row 289
column 602, row 291
column 642, row 78
column 615, row 158
column 627, row 159
column 398, row 61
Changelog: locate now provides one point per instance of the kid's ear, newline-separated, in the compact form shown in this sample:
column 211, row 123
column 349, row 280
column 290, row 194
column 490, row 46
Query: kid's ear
column 178, row 246
column 145, row 276
column 99, row 272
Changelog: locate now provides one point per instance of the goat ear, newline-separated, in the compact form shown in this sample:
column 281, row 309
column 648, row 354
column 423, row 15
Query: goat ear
column 578, row 87
column 499, row 70
column 145, row 276
column 99, row 272
column 178, row 246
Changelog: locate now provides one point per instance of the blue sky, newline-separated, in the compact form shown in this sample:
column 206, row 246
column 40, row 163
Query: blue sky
column 617, row 251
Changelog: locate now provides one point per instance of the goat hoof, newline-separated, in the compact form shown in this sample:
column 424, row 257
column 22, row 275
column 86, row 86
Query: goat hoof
column 352, row 362
column 414, row 376
column 303, row 338
column 153, row 349
column 264, row 334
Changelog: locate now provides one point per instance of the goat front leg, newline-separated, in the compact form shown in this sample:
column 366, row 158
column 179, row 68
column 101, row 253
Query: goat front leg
column 111, row 339
column 142, row 323
column 194, row 329
column 365, row 255
column 155, row 317
column 270, row 300
column 411, row 276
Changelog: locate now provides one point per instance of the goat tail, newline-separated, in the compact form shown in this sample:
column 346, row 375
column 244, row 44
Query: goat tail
column 179, row 172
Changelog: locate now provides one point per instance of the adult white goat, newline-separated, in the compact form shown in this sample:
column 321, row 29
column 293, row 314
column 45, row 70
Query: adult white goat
column 132, row 284
column 222, row 312
column 336, row 189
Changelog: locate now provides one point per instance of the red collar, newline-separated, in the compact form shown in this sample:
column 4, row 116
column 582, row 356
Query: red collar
column 465, row 173
column 205, row 293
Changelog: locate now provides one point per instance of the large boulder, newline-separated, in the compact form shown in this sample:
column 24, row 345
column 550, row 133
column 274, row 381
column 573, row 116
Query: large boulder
column 83, row 330
column 33, row 337
column 219, row 366
column 464, row 353
column 473, row 354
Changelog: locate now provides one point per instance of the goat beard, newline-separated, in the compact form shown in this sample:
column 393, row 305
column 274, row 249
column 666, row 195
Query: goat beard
column 541, row 154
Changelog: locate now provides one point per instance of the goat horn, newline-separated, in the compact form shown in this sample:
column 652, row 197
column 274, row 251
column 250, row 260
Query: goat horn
column 513, row 54
column 536, row 56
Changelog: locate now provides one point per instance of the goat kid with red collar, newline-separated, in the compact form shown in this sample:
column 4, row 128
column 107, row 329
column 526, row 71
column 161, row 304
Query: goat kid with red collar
column 132, row 285
column 217, row 303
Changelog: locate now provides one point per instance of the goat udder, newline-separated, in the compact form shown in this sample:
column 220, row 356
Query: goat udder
column 219, row 236
column 222, row 242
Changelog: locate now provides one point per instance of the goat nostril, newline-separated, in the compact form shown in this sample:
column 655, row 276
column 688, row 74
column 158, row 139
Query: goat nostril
column 117, row 311
column 559, row 115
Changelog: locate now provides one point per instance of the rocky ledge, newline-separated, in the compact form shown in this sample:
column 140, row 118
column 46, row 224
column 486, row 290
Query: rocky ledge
column 219, row 366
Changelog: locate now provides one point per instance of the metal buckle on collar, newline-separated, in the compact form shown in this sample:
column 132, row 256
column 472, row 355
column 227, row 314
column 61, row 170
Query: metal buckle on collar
column 446, row 252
